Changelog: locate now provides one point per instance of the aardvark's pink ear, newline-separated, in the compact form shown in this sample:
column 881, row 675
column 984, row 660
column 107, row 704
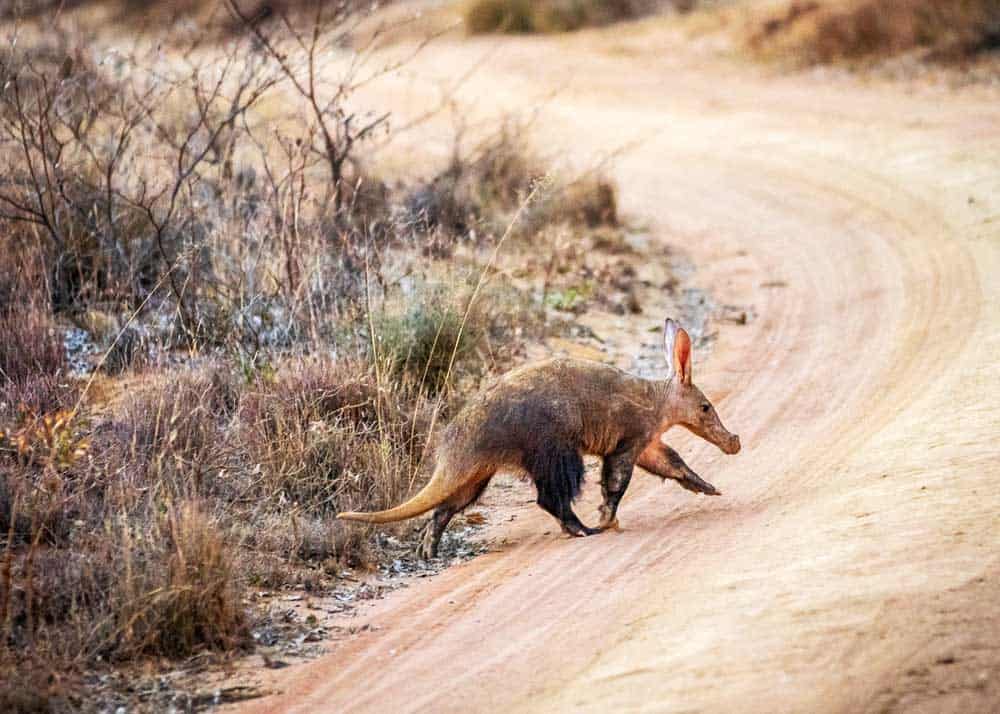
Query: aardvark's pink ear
column 677, row 346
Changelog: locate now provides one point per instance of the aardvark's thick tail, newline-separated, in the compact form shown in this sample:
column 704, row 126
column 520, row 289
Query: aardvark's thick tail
column 433, row 494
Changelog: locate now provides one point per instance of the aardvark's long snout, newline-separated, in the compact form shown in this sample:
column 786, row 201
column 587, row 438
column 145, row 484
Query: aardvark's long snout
column 712, row 430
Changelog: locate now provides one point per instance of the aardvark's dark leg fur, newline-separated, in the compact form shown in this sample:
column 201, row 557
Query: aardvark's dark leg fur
column 558, row 476
column 442, row 517
column 616, row 472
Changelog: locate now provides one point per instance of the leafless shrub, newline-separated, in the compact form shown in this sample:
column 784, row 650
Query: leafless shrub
column 115, row 218
column 137, row 184
column 332, row 132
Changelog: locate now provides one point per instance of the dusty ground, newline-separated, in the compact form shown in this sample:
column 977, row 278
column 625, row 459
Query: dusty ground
column 852, row 562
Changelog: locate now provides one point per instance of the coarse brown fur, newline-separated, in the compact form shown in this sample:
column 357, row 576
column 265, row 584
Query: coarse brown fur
column 541, row 418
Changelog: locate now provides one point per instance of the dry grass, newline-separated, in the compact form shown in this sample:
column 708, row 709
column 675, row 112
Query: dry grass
column 324, row 437
column 111, row 553
column 525, row 16
column 822, row 31
column 179, row 591
column 165, row 431
column 160, row 585
column 33, row 363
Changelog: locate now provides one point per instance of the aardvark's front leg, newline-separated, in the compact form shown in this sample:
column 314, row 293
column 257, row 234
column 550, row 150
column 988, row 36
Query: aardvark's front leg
column 660, row 459
column 616, row 472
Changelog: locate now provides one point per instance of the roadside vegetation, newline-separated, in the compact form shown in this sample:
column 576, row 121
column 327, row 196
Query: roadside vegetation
column 220, row 327
column 823, row 31
column 526, row 16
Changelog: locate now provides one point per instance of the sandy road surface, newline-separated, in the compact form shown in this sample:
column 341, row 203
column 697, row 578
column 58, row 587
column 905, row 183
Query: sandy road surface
column 853, row 563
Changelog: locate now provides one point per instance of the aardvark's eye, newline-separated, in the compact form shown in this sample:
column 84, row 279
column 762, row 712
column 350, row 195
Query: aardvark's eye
column 705, row 407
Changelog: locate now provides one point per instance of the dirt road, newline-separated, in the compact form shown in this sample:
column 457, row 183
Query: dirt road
column 852, row 563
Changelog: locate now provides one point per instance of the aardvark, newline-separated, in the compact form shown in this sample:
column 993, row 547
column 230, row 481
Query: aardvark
column 539, row 420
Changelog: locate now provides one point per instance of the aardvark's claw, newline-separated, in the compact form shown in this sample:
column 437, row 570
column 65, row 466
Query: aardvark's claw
column 694, row 483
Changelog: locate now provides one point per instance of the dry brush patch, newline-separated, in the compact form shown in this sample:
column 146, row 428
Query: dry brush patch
column 526, row 16
column 276, row 333
column 822, row 31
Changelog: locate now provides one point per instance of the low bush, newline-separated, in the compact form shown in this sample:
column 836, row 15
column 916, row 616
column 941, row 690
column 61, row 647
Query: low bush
column 480, row 189
column 589, row 202
column 178, row 591
column 323, row 436
column 167, row 433
column 480, row 192
column 161, row 585
column 524, row 16
column 815, row 31
column 424, row 340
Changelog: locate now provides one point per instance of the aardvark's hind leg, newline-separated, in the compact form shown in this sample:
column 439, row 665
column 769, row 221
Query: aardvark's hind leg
column 442, row 517
column 563, row 513
column 558, row 475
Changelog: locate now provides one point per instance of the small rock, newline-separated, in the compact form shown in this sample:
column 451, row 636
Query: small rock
column 633, row 304
column 274, row 663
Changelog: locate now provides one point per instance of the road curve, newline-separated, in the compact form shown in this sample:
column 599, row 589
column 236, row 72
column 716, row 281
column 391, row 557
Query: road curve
column 852, row 563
